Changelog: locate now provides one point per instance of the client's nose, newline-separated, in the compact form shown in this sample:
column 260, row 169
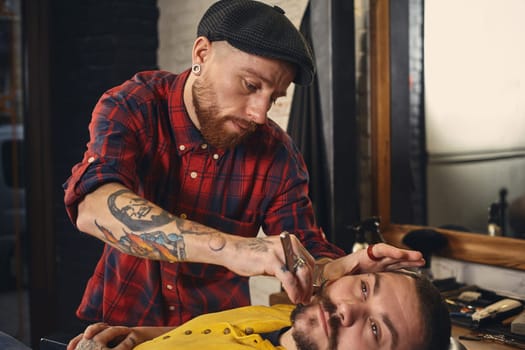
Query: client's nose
column 348, row 313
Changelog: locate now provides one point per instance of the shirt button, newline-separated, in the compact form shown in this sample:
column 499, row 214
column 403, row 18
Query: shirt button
column 91, row 159
column 204, row 146
column 215, row 156
column 182, row 147
column 169, row 286
column 183, row 216
column 193, row 174
column 187, row 332
column 206, row 331
column 171, row 308
column 248, row 331
column 226, row 331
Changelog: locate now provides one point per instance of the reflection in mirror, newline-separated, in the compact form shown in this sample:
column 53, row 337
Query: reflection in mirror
column 497, row 251
column 458, row 155
column 474, row 104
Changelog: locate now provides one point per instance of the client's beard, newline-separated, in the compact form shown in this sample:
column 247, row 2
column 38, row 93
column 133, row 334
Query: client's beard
column 211, row 126
column 301, row 338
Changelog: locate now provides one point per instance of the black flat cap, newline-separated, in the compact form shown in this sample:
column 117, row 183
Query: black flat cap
column 259, row 29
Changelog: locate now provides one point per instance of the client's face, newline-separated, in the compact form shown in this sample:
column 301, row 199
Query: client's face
column 374, row 311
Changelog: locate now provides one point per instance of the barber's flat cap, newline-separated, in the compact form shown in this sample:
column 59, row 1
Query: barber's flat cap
column 259, row 29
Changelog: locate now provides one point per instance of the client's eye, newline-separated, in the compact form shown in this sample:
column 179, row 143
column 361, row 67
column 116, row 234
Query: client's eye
column 375, row 329
column 364, row 289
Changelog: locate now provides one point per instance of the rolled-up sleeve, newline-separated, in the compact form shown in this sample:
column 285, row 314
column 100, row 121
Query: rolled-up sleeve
column 111, row 154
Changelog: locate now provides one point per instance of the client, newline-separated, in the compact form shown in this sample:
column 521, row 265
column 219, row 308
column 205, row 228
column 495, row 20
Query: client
column 382, row 310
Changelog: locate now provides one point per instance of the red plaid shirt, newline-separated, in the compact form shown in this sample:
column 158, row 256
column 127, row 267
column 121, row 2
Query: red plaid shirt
column 142, row 137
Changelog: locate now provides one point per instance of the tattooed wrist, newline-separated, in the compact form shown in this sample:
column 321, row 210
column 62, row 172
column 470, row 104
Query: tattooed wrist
column 255, row 244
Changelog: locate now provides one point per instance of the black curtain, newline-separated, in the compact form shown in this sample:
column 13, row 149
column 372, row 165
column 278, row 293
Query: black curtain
column 305, row 127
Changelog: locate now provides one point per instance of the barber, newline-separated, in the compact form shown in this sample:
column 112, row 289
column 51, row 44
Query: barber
column 182, row 171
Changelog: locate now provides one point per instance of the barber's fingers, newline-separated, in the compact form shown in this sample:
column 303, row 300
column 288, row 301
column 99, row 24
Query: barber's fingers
column 301, row 251
column 94, row 329
column 381, row 257
column 112, row 335
column 383, row 250
column 265, row 256
column 74, row 342
column 89, row 333
column 340, row 267
column 396, row 265
column 298, row 283
column 304, row 271
column 392, row 258
column 128, row 343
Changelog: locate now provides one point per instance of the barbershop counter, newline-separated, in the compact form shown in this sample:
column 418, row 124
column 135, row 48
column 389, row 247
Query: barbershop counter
column 458, row 331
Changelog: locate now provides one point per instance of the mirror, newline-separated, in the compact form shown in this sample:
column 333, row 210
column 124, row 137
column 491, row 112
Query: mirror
column 474, row 83
column 498, row 251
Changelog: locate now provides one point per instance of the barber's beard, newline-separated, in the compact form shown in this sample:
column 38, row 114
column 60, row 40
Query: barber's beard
column 212, row 127
column 301, row 337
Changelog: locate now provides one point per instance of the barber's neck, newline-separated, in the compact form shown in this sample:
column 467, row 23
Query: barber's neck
column 188, row 100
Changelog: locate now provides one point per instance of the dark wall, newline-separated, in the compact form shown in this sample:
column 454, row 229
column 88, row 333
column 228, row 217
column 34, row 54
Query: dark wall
column 90, row 47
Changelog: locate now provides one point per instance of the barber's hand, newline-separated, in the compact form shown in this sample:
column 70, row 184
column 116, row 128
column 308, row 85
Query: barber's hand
column 100, row 336
column 298, row 283
column 380, row 257
column 265, row 256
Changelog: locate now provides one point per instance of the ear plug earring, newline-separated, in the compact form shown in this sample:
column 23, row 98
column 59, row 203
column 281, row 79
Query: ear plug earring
column 196, row 68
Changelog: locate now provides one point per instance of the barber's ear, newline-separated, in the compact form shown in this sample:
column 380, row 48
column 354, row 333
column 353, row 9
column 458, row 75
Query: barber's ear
column 201, row 50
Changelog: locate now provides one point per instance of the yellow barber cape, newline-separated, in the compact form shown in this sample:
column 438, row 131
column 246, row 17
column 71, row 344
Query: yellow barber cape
column 231, row 329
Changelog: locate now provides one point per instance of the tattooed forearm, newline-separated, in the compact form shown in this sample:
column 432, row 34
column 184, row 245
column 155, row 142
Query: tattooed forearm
column 143, row 234
column 169, row 246
column 151, row 245
column 216, row 242
column 191, row 227
column 255, row 244
column 137, row 213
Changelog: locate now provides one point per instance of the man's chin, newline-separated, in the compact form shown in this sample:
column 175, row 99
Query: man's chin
column 228, row 141
column 303, row 341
